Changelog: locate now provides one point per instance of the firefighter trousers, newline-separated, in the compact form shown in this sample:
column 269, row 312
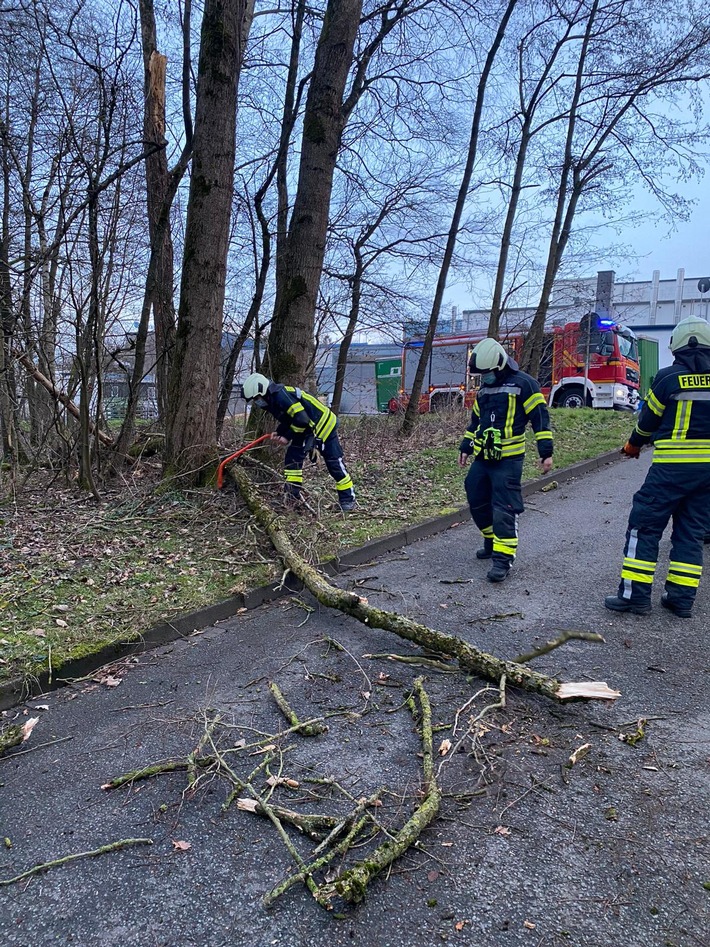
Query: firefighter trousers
column 680, row 491
column 495, row 500
column 332, row 453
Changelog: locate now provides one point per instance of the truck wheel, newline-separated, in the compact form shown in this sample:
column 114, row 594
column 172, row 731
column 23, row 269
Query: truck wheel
column 573, row 397
column 394, row 406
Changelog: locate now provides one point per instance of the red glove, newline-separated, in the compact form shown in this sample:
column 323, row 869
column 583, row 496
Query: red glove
column 630, row 450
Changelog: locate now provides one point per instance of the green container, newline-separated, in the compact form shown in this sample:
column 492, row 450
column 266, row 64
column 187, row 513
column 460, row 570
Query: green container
column 388, row 376
column 648, row 363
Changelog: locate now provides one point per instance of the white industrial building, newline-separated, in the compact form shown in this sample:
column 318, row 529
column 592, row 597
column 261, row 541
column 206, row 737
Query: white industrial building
column 650, row 307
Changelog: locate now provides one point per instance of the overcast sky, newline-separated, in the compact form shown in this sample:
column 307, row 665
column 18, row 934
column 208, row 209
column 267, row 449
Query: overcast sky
column 687, row 247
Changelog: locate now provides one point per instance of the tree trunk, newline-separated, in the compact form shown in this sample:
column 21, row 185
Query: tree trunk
column 353, row 316
column 160, row 263
column 191, row 443
column 287, row 122
column 157, row 185
column 412, row 411
column 291, row 341
column 7, row 328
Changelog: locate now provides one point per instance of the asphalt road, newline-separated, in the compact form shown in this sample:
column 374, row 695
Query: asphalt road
column 611, row 851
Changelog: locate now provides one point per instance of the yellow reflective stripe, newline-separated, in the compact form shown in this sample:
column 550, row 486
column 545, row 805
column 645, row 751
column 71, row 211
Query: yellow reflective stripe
column 654, row 404
column 476, row 408
column 645, row 577
column 690, row 443
column 512, row 450
column 294, row 408
column 682, row 420
column 681, row 457
column 686, row 567
column 642, row 432
column 682, row 580
column 327, row 421
column 470, row 435
column 643, row 564
column 510, row 417
column 543, row 435
column 324, row 428
column 487, row 531
column 508, row 546
column 296, row 429
column 293, row 476
column 345, row 484
column 532, row 402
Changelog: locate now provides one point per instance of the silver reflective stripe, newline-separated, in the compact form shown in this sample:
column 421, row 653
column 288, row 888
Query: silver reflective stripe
column 690, row 396
column 502, row 390
column 630, row 554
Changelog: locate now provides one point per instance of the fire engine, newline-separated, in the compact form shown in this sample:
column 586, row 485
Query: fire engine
column 593, row 362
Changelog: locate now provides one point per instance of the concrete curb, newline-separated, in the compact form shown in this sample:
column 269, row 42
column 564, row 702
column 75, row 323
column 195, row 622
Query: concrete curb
column 15, row 692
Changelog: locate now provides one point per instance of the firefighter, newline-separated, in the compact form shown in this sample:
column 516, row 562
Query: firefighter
column 677, row 418
column 304, row 425
column 507, row 400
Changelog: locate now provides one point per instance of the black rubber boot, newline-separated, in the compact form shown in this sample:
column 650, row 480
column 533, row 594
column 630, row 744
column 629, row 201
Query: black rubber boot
column 486, row 550
column 616, row 604
column 498, row 572
column 679, row 610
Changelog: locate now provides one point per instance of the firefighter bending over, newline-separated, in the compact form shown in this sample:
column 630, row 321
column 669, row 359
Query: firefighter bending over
column 507, row 400
column 677, row 417
column 304, row 424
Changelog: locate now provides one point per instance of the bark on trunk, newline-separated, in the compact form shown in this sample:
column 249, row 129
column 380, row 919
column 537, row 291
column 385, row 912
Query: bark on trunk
column 291, row 342
column 191, row 443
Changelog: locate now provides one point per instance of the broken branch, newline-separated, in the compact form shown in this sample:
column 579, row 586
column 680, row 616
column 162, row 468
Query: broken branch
column 352, row 883
column 45, row 866
column 305, row 729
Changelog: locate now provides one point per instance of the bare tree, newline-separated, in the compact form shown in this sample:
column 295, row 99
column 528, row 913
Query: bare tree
column 161, row 187
column 609, row 126
column 411, row 413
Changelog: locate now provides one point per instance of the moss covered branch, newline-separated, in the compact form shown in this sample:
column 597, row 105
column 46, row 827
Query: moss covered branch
column 306, row 729
column 470, row 658
column 45, row 866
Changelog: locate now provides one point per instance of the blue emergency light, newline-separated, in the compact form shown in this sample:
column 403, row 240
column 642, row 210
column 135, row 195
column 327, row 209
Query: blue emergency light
column 606, row 323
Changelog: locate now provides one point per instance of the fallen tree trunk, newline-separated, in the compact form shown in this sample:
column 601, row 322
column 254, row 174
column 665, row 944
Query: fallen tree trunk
column 59, row 395
column 469, row 657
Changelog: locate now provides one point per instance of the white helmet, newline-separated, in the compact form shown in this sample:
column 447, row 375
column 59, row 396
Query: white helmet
column 254, row 386
column 488, row 356
column 692, row 331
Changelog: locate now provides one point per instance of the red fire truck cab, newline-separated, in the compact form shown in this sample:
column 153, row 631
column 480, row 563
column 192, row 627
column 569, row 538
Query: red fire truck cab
column 595, row 362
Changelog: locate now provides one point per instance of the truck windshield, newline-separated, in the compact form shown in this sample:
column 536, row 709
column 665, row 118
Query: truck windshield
column 627, row 347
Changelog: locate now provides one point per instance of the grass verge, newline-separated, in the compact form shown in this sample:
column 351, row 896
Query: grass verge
column 76, row 575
